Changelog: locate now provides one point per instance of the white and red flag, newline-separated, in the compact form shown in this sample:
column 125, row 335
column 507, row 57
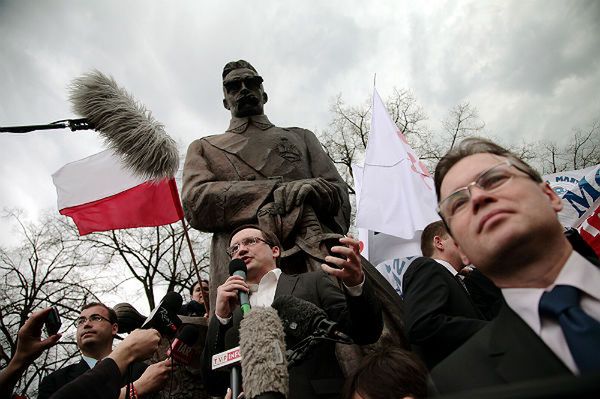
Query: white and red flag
column 397, row 195
column 100, row 193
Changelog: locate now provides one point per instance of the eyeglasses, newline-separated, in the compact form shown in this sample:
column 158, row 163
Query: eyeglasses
column 251, row 83
column 95, row 318
column 247, row 242
column 489, row 180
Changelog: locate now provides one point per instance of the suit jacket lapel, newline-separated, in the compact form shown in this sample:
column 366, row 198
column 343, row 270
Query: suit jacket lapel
column 520, row 353
column 285, row 285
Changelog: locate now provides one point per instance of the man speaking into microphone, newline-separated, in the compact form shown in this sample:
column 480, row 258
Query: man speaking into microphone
column 355, row 308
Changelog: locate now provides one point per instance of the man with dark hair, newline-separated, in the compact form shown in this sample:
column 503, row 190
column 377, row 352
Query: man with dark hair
column 388, row 373
column 504, row 219
column 96, row 328
column 256, row 172
column 439, row 313
column 355, row 308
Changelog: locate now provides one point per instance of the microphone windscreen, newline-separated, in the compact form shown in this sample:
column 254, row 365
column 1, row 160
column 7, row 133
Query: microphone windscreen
column 127, row 127
column 189, row 334
column 172, row 302
column 128, row 318
column 262, row 348
column 237, row 265
column 298, row 317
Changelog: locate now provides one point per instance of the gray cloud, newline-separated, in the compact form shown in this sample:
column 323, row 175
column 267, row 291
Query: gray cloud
column 531, row 68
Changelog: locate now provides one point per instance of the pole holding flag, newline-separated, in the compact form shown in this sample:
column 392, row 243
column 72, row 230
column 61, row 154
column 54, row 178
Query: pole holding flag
column 397, row 195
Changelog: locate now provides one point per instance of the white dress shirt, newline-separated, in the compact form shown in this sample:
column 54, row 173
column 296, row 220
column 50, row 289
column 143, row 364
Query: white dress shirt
column 263, row 293
column 577, row 272
column 91, row 362
column 447, row 265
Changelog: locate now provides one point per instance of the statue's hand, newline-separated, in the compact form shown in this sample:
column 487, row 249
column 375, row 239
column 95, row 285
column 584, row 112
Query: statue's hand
column 317, row 191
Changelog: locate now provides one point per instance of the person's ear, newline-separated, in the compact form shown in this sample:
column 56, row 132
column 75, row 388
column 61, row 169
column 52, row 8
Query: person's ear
column 225, row 104
column 555, row 200
column 115, row 329
column 265, row 97
column 437, row 243
column 276, row 251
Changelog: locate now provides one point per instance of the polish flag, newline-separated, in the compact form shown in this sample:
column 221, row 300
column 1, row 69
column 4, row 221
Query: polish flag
column 100, row 193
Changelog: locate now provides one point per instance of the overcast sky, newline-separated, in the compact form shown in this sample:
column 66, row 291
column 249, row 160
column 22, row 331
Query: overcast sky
column 532, row 68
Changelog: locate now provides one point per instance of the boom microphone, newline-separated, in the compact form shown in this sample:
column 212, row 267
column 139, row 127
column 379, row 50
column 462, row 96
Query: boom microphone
column 302, row 319
column 181, row 350
column 126, row 125
column 164, row 317
column 237, row 267
column 262, row 348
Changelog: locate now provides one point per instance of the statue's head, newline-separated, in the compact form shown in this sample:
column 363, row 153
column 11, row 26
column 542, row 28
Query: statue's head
column 243, row 90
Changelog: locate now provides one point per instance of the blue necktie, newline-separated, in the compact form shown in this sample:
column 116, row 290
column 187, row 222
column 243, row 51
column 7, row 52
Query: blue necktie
column 581, row 331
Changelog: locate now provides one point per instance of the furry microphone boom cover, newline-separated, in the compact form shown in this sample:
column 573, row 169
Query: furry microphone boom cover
column 298, row 316
column 264, row 365
column 127, row 126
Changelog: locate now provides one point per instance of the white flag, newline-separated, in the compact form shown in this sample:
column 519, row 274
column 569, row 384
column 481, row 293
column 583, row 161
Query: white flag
column 397, row 195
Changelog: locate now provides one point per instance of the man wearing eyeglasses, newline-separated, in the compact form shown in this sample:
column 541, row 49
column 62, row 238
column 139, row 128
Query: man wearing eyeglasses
column 96, row 328
column 503, row 216
column 355, row 308
column 256, row 172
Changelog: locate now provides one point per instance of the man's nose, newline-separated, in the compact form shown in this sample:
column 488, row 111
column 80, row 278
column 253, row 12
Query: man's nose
column 479, row 197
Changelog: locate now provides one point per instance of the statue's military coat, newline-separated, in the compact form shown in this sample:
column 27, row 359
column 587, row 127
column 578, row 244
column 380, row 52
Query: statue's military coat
column 229, row 179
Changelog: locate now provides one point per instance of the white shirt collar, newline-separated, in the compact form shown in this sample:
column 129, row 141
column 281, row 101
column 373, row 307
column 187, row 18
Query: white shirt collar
column 263, row 293
column 577, row 272
column 447, row 265
column 91, row 362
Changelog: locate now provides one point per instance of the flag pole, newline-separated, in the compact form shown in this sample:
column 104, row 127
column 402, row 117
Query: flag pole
column 187, row 237
column 175, row 194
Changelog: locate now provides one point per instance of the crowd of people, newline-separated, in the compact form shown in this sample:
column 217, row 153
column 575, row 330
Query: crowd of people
column 499, row 305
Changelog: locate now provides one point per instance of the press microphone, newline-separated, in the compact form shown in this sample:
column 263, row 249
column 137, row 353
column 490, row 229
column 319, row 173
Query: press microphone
column 262, row 349
column 126, row 125
column 181, row 350
column 302, row 319
column 128, row 318
column 237, row 267
column 164, row 317
column 230, row 361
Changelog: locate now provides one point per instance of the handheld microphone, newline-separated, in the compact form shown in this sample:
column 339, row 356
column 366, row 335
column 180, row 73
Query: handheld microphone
column 302, row 319
column 237, row 267
column 127, row 126
column 230, row 361
column 262, row 348
column 181, row 350
column 164, row 317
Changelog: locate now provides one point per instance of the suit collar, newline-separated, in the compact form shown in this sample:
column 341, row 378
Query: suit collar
column 239, row 125
column 518, row 350
column 286, row 285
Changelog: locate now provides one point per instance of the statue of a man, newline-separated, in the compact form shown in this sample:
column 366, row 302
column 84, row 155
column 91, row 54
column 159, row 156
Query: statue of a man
column 256, row 172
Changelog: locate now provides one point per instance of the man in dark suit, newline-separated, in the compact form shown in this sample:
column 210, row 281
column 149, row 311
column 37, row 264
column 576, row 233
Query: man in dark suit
column 439, row 313
column 355, row 308
column 96, row 328
column 503, row 217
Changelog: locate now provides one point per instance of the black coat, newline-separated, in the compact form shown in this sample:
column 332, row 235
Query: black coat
column 505, row 351
column 439, row 313
column 57, row 379
column 319, row 375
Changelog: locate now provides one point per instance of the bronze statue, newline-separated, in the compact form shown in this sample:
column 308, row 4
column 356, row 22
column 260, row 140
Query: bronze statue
column 256, row 172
